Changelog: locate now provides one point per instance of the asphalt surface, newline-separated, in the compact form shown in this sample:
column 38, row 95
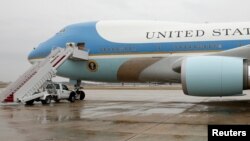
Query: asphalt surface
column 123, row 115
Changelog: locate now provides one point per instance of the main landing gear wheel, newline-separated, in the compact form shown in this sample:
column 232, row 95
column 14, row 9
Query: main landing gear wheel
column 82, row 95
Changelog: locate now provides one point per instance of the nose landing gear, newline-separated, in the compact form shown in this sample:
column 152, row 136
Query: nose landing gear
column 79, row 92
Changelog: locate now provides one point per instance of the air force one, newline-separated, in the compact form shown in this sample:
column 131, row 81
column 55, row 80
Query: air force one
column 209, row 59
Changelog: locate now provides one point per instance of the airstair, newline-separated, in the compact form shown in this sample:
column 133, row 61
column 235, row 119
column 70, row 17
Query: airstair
column 23, row 89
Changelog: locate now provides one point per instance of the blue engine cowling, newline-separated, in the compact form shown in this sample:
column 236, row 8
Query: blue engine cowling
column 214, row 76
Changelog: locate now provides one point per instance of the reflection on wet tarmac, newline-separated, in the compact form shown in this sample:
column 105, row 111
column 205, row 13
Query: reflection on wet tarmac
column 123, row 115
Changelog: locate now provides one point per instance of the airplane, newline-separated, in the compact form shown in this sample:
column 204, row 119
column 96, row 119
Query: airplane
column 208, row 59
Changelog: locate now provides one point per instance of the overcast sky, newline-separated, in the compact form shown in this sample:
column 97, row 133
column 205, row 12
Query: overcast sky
column 26, row 23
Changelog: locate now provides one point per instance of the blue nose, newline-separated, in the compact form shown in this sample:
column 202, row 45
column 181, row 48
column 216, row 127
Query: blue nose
column 34, row 55
column 39, row 53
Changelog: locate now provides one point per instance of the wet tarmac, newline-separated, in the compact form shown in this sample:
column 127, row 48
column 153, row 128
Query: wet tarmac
column 123, row 115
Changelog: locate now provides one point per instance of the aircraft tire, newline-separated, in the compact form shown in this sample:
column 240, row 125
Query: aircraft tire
column 82, row 95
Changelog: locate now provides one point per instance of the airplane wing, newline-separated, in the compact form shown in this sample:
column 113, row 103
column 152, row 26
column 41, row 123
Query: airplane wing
column 157, row 69
column 241, row 52
column 220, row 74
column 224, row 72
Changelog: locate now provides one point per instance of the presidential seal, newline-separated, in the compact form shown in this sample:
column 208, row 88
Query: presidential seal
column 92, row 66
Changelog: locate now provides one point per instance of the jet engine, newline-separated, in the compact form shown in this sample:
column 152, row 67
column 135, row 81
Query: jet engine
column 215, row 76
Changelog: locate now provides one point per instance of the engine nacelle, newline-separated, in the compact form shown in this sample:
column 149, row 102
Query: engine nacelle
column 214, row 76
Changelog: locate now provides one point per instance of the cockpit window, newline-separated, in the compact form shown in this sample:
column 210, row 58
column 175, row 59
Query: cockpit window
column 61, row 31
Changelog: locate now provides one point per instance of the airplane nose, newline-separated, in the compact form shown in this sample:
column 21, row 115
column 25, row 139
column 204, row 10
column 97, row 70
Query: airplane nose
column 38, row 53
column 32, row 56
column 44, row 48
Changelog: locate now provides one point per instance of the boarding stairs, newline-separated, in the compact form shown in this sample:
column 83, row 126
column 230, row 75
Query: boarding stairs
column 23, row 89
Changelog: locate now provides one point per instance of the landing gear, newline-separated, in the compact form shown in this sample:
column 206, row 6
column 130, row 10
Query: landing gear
column 80, row 94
